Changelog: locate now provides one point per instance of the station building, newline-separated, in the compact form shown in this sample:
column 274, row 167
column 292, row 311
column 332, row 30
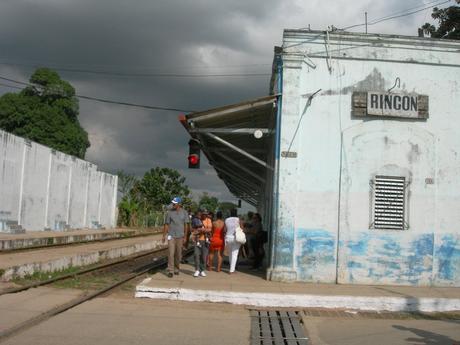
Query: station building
column 353, row 159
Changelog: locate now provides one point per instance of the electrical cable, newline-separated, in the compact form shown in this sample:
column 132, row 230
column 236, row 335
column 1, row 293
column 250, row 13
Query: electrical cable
column 152, row 107
column 144, row 75
column 307, row 105
column 383, row 19
column 10, row 86
column 135, row 104
column 410, row 9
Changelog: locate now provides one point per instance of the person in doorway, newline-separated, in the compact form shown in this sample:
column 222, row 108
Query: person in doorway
column 233, row 247
column 260, row 238
column 201, row 227
column 217, row 242
column 250, row 235
column 175, row 228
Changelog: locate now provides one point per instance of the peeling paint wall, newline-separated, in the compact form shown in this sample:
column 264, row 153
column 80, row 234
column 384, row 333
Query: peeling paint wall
column 44, row 189
column 324, row 231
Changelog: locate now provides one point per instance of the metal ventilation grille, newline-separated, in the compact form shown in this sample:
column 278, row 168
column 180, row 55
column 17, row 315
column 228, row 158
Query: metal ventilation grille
column 277, row 327
column 389, row 192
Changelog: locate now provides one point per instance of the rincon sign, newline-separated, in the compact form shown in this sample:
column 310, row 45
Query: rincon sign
column 386, row 104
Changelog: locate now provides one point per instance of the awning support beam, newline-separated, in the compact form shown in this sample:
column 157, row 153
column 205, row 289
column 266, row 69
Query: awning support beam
column 237, row 179
column 243, row 195
column 231, row 130
column 241, row 167
column 237, row 149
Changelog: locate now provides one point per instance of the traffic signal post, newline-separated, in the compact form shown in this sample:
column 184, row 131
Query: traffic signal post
column 194, row 154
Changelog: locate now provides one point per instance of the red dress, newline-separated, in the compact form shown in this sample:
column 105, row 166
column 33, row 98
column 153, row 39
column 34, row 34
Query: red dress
column 217, row 239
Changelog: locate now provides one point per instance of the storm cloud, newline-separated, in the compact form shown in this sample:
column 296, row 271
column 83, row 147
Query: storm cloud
column 182, row 37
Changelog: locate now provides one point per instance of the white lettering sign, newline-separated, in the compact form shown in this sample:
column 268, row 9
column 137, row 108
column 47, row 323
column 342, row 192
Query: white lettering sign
column 392, row 104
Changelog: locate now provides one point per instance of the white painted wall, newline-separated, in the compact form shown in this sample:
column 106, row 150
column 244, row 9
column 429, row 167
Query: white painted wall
column 42, row 189
column 324, row 192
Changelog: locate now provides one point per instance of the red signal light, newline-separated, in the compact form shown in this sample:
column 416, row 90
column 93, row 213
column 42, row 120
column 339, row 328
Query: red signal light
column 193, row 159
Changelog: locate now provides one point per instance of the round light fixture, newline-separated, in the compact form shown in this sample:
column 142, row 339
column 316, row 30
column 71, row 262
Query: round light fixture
column 258, row 134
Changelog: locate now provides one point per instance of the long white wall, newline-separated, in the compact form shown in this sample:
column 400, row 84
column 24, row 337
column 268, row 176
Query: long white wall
column 41, row 188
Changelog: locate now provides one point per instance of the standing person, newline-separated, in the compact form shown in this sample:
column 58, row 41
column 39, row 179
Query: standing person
column 250, row 235
column 217, row 242
column 231, row 223
column 207, row 223
column 200, row 228
column 259, row 240
column 176, row 226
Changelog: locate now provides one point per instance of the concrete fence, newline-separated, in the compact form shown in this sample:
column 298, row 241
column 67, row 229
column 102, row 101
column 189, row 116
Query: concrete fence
column 44, row 189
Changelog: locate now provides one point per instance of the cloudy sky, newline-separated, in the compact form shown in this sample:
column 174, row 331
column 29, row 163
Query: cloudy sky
column 188, row 37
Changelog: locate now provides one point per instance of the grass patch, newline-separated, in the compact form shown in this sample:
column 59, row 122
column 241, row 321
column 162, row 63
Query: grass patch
column 42, row 276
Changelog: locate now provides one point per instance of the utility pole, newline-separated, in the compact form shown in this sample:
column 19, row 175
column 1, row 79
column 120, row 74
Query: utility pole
column 365, row 20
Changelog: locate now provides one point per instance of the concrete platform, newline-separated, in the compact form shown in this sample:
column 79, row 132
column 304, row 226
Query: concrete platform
column 20, row 264
column 32, row 239
column 114, row 321
column 249, row 288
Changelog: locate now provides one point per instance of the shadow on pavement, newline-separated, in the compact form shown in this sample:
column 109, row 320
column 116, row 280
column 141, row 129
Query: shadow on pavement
column 427, row 337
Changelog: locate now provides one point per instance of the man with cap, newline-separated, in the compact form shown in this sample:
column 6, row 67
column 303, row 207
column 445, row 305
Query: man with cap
column 176, row 226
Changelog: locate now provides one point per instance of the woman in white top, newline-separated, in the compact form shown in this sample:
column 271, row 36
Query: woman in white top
column 233, row 247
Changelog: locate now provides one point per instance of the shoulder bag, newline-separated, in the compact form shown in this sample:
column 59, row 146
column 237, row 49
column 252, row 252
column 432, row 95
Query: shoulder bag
column 240, row 236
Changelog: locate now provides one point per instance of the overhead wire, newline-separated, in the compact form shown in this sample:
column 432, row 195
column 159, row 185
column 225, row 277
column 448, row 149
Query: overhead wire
column 410, row 9
column 389, row 17
column 144, row 75
column 10, row 86
column 381, row 19
column 102, row 100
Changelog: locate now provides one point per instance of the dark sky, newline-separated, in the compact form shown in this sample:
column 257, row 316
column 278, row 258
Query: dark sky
column 181, row 37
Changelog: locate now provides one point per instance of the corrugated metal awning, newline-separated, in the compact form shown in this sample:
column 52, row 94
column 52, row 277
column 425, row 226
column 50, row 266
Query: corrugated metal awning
column 238, row 141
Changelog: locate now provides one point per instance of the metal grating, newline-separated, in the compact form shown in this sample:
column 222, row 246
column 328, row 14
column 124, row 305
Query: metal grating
column 389, row 202
column 273, row 327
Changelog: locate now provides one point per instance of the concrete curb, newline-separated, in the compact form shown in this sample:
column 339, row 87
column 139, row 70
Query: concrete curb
column 77, row 260
column 59, row 239
column 379, row 303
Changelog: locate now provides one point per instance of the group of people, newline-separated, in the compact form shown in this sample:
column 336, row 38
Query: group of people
column 212, row 238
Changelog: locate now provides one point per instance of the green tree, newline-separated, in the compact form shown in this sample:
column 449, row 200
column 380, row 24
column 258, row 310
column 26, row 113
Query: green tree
column 449, row 23
column 226, row 207
column 125, row 182
column 210, row 203
column 46, row 112
column 128, row 206
column 159, row 186
column 189, row 204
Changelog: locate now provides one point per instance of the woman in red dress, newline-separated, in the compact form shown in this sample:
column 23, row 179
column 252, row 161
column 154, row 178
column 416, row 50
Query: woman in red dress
column 217, row 242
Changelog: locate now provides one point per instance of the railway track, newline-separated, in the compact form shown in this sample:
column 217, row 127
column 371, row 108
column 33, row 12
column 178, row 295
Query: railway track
column 127, row 269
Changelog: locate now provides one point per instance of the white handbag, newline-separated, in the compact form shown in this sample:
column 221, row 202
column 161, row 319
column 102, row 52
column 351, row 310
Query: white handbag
column 240, row 236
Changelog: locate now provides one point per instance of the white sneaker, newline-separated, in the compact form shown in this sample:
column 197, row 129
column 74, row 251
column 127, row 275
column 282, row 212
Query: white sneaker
column 196, row 274
column 203, row 274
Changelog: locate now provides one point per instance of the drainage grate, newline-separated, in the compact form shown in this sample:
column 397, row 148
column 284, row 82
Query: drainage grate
column 276, row 327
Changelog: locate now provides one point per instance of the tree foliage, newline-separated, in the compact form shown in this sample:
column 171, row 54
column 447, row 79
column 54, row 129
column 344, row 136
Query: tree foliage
column 160, row 185
column 125, row 182
column 143, row 200
column 46, row 112
column 210, row 203
column 226, row 207
column 449, row 23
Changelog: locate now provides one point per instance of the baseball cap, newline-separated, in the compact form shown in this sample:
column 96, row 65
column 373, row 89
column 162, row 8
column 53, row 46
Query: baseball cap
column 176, row 200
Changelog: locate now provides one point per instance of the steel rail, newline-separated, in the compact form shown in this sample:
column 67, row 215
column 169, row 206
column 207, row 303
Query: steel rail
column 4, row 335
